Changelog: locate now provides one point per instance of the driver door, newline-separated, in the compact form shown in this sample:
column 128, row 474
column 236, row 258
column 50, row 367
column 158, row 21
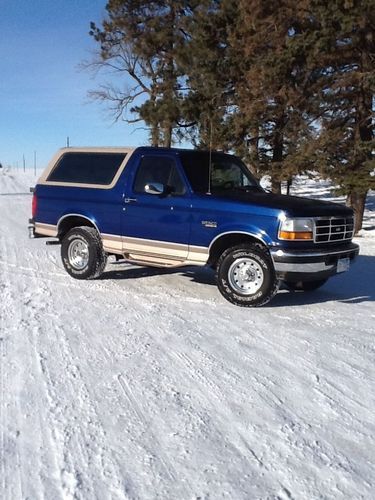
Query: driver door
column 156, row 227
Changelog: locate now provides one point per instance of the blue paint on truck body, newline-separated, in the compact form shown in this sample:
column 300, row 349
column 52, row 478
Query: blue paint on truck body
column 194, row 216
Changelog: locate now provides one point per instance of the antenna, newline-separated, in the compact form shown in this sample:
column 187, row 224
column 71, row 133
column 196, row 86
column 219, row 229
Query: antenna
column 210, row 160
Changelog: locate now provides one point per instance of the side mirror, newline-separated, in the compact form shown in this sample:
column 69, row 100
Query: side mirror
column 154, row 188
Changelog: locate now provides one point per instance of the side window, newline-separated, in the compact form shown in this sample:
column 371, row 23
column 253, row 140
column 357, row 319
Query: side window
column 158, row 169
column 87, row 168
column 227, row 174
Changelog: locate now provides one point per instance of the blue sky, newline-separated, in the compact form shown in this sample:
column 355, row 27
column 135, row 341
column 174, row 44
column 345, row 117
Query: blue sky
column 43, row 93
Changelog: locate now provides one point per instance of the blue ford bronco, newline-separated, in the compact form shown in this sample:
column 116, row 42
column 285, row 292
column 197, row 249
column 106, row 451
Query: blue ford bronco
column 174, row 207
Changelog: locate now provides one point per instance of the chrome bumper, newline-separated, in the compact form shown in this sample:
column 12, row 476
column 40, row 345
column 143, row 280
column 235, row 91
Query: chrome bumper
column 311, row 261
column 31, row 228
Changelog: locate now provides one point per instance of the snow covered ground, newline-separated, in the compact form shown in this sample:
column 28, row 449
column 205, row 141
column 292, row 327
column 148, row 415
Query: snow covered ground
column 148, row 384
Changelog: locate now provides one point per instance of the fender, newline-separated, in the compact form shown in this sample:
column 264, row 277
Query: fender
column 91, row 220
column 250, row 230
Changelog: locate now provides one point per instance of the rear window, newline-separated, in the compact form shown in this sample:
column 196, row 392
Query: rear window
column 87, row 168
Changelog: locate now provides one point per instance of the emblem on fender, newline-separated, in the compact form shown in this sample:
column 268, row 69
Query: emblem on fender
column 209, row 223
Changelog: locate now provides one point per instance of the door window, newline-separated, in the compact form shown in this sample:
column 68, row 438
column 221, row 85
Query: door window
column 159, row 169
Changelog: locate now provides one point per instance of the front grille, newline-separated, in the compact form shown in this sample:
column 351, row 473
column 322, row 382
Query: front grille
column 333, row 229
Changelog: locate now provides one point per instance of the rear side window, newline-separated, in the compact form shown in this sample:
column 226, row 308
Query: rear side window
column 87, row 168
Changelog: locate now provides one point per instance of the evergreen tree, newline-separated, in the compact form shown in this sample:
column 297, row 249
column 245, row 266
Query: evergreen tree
column 288, row 86
column 272, row 122
column 343, row 61
column 206, row 63
column 140, row 39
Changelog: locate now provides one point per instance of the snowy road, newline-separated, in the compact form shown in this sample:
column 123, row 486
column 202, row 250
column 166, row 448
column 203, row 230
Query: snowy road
column 147, row 384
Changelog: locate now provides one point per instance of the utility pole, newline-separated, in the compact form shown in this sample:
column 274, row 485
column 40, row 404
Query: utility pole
column 67, row 142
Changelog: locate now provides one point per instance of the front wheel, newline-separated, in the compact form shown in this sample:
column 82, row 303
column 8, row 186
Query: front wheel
column 82, row 253
column 246, row 277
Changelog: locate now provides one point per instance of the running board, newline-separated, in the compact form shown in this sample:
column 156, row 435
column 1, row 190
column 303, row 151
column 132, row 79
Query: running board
column 53, row 242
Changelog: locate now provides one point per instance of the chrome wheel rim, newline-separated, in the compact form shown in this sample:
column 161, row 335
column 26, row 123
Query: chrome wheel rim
column 246, row 276
column 78, row 254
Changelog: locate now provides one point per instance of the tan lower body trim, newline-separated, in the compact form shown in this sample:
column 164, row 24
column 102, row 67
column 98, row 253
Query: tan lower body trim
column 154, row 251
column 46, row 229
column 164, row 249
column 158, row 253
column 198, row 255
column 112, row 243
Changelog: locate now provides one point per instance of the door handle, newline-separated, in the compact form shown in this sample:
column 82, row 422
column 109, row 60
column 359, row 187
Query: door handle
column 130, row 200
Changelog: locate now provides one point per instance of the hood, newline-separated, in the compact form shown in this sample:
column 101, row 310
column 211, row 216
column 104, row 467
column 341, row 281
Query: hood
column 292, row 205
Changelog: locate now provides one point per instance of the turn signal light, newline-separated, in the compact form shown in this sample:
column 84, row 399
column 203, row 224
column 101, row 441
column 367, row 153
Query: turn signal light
column 296, row 235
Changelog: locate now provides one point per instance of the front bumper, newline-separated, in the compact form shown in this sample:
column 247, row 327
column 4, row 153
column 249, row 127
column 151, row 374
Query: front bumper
column 313, row 264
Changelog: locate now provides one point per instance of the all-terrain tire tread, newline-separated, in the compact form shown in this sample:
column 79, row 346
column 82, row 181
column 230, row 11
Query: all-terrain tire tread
column 96, row 245
column 275, row 285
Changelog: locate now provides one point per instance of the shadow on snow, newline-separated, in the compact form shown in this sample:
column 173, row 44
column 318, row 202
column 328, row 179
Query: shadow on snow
column 355, row 286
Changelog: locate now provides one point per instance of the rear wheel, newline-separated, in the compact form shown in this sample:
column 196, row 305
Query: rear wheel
column 82, row 253
column 305, row 286
column 246, row 276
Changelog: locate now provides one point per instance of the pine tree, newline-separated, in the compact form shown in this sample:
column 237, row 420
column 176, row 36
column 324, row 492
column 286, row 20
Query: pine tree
column 288, row 86
column 343, row 61
column 140, row 39
column 206, row 63
column 271, row 121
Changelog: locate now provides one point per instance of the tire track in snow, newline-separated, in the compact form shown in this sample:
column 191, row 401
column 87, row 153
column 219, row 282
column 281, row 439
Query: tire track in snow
column 201, row 371
column 211, row 388
column 238, row 443
column 153, row 442
column 98, row 285
column 2, row 410
column 84, row 456
column 38, row 301
column 140, row 421
column 10, row 443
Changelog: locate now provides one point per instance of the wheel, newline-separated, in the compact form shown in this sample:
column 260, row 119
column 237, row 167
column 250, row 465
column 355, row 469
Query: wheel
column 245, row 276
column 82, row 253
column 305, row 286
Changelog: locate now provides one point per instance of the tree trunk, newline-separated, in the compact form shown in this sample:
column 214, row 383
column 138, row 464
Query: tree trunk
column 277, row 154
column 167, row 142
column 288, row 186
column 155, row 136
column 277, row 158
column 356, row 201
column 275, row 186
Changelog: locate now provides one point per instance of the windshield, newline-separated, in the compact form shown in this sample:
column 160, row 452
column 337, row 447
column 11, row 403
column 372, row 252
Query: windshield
column 228, row 173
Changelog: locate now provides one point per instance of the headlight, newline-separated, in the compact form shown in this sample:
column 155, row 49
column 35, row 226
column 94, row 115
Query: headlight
column 296, row 229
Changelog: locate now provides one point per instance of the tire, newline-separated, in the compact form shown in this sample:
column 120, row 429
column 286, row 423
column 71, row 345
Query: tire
column 82, row 253
column 305, row 286
column 246, row 276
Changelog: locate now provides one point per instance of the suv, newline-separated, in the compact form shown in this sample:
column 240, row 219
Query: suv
column 174, row 207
